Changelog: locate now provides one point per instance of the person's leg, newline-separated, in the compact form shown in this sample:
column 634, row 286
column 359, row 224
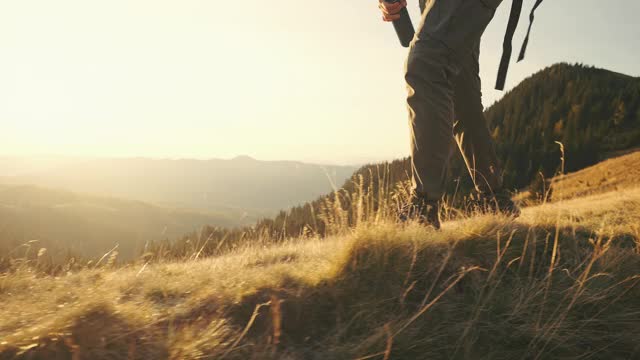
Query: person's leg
column 448, row 33
column 471, row 127
column 478, row 147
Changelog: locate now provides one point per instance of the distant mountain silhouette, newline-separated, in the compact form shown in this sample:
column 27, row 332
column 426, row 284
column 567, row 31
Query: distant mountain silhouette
column 243, row 158
column 243, row 183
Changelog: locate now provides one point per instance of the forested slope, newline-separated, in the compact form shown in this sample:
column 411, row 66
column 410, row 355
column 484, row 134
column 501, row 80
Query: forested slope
column 592, row 112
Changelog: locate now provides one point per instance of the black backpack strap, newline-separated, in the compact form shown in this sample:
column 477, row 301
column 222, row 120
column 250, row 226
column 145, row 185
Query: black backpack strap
column 514, row 17
column 526, row 39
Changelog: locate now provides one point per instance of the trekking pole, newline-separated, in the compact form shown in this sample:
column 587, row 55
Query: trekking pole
column 403, row 26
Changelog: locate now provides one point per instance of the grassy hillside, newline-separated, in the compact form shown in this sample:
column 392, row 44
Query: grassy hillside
column 560, row 282
column 71, row 223
column 616, row 173
column 242, row 184
column 621, row 172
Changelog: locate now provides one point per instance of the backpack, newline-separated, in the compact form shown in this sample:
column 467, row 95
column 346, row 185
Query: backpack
column 514, row 17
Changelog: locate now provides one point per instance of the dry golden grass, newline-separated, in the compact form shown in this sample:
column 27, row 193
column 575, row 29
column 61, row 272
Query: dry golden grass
column 613, row 174
column 622, row 172
column 561, row 282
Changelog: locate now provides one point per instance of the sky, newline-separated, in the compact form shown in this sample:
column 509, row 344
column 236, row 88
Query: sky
column 301, row 80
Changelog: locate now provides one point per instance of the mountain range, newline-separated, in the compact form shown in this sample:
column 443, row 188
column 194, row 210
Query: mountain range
column 259, row 188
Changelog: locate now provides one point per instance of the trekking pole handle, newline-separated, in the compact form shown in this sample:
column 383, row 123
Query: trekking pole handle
column 403, row 26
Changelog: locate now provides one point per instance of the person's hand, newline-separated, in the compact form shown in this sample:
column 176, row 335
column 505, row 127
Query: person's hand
column 390, row 10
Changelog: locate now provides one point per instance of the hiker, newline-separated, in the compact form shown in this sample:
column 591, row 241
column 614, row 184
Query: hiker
column 444, row 98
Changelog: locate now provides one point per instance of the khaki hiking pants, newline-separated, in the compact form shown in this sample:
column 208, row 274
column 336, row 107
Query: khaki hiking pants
column 445, row 98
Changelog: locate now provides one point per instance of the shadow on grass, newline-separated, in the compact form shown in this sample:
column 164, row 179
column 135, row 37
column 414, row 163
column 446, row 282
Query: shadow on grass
column 97, row 333
column 515, row 304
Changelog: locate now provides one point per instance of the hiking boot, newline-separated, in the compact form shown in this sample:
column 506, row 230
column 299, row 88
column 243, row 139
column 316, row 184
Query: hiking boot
column 425, row 211
column 499, row 203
